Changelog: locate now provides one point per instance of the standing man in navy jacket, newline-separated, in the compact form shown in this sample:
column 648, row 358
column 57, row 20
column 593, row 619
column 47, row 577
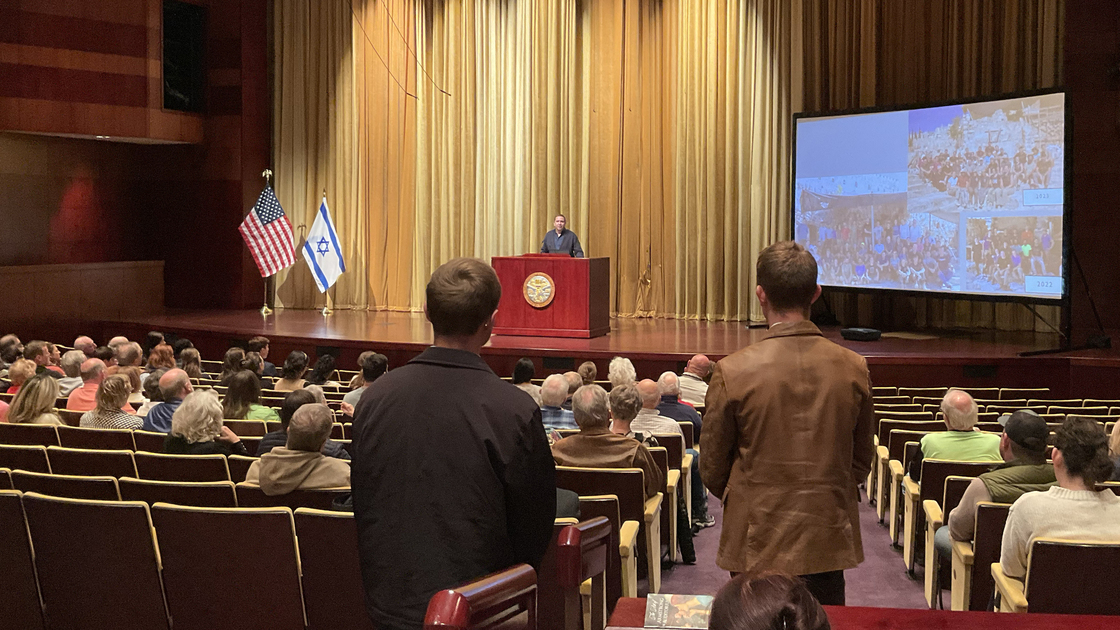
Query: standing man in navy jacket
column 561, row 240
column 452, row 473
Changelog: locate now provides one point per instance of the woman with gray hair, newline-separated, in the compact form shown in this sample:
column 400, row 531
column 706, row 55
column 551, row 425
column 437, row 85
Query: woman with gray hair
column 197, row 429
column 621, row 372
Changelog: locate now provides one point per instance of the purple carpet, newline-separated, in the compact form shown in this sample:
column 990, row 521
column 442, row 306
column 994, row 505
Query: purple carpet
column 881, row 580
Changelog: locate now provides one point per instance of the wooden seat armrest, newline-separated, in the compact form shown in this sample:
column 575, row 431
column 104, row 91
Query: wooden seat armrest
column 911, row 488
column 1012, row 597
column 653, row 508
column 895, row 467
column 882, row 453
column 672, row 480
column 686, row 461
column 628, row 539
column 934, row 515
column 585, row 588
column 962, row 551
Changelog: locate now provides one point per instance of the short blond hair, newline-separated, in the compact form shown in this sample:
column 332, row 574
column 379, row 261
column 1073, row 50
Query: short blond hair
column 21, row 370
column 113, row 393
column 199, row 417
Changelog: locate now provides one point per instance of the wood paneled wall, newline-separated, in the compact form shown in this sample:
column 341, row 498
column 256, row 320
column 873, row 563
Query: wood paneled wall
column 88, row 292
column 92, row 67
column 1092, row 72
column 89, row 68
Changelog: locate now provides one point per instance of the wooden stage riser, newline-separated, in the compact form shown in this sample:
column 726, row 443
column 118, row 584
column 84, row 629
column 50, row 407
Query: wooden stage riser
column 1065, row 376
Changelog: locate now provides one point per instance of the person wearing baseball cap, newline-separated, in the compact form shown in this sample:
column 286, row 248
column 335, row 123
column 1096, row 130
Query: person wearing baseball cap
column 1024, row 469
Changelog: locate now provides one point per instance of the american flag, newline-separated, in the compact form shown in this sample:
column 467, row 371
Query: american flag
column 268, row 234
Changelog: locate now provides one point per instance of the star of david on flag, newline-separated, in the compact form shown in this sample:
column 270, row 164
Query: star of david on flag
column 322, row 252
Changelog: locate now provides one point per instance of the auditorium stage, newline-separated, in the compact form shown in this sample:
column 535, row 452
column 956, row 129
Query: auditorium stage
column 976, row 358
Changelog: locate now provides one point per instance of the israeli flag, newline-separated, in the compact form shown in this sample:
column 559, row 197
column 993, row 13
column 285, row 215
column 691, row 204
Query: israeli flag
column 321, row 250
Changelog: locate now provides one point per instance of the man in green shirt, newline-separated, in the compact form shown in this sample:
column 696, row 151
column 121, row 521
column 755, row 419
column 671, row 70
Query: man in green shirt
column 962, row 442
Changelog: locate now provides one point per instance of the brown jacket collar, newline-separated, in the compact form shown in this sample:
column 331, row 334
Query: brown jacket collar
column 804, row 327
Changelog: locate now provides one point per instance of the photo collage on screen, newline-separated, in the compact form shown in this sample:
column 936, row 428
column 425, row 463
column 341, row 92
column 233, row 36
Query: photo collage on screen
column 969, row 200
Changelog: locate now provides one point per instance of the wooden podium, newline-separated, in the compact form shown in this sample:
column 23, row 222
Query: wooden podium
column 553, row 295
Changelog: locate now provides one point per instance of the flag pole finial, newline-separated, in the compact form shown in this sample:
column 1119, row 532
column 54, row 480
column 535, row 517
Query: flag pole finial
column 267, row 175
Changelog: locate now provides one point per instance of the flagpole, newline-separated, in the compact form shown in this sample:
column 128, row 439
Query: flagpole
column 265, row 310
column 327, row 309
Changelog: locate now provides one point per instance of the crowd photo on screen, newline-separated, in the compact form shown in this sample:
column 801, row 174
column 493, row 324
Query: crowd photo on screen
column 994, row 168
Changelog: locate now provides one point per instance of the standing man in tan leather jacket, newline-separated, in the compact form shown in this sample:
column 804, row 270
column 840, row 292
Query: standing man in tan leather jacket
column 787, row 437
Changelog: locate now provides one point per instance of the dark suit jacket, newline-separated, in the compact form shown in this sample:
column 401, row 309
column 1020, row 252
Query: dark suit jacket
column 568, row 244
column 452, row 479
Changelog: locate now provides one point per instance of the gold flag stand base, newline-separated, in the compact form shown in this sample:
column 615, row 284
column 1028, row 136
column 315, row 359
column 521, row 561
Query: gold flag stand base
column 265, row 311
column 327, row 309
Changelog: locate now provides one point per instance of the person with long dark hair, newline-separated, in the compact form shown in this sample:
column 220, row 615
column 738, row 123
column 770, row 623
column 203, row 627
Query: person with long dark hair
column 243, row 399
column 291, row 375
column 323, row 373
column 1074, row 509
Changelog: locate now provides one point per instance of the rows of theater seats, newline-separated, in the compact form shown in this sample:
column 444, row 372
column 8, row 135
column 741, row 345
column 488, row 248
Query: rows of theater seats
column 915, row 510
column 86, row 563
column 107, row 467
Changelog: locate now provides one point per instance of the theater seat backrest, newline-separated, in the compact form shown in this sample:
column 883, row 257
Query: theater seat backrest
column 19, row 594
column 332, row 579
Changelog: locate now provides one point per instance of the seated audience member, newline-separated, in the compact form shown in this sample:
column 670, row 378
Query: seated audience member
column 34, row 404
column 253, row 363
column 292, row 402
column 152, row 393
column 4, row 411
column 574, row 383
column 596, row 447
column 153, row 339
column 130, row 355
column 300, row 463
column 767, row 602
column 373, row 365
column 116, row 342
column 174, row 386
column 192, row 363
column 161, row 356
column 587, row 372
column 231, row 364
column 670, row 405
column 10, row 349
column 108, row 354
column 259, row 345
column 322, row 373
column 693, row 386
column 136, row 398
column 72, row 365
column 962, row 442
column 56, row 358
column 668, row 385
column 84, row 398
column 318, row 393
column 18, row 374
column 112, row 394
column 621, row 371
column 553, row 393
column 40, row 353
column 626, row 402
column 648, row 420
column 523, row 373
column 1073, row 509
column 197, row 429
column 1025, row 469
column 291, row 375
column 243, row 399
column 181, row 344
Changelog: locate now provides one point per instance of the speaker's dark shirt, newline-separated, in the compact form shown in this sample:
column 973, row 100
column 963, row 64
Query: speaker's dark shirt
column 452, row 479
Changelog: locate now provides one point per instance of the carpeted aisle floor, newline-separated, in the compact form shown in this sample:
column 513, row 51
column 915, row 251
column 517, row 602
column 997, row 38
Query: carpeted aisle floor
column 881, row 580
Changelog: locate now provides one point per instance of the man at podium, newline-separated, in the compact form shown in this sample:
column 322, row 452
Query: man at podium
column 561, row 240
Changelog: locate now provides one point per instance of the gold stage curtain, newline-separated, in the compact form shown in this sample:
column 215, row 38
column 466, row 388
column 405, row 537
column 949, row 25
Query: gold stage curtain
column 315, row 142
column 860, row 53
column 445, row 128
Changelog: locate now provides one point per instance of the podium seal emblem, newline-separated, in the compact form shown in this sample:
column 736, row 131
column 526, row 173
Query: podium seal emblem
column 539, row 289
